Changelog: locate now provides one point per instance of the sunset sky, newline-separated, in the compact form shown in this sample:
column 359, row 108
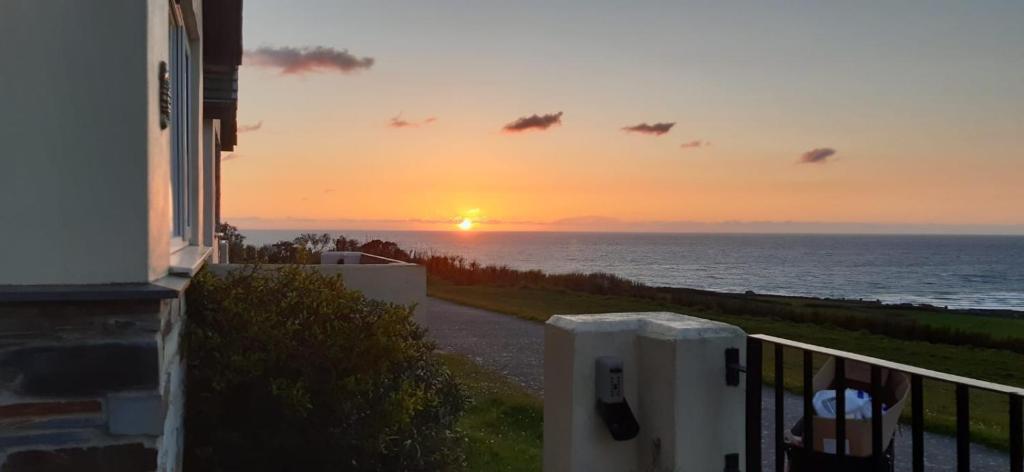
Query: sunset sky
column 898, row 114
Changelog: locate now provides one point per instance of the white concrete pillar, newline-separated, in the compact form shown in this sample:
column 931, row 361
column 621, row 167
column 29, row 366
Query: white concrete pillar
column 674, row 369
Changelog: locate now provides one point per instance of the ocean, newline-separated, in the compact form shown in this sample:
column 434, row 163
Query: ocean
column 984, row 272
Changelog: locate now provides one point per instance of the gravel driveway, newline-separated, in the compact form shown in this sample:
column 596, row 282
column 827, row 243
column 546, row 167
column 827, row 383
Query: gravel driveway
column 515, row 347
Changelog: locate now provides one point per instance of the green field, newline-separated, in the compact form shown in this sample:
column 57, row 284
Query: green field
column 989, row 412
column 503, row 423
column 998, row 327
column 995, row 324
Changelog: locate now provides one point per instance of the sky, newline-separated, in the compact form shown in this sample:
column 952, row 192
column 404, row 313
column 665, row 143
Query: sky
column 630, row 116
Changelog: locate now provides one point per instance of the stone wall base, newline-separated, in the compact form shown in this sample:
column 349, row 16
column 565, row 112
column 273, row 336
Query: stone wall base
column 91, row 386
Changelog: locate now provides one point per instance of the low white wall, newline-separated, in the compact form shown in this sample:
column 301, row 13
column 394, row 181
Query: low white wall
column 340, row 257
column 397, row 283
column 401, row 283
column 674, row 376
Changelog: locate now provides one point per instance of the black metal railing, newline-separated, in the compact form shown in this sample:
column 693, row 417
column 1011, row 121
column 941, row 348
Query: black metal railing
column 755, row 351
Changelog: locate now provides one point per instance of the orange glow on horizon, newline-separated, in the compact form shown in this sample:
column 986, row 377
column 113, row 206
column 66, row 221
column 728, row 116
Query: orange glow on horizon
column 333, row 150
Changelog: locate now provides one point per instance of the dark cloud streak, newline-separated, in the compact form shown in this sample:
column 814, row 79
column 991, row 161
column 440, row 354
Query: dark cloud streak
column 694, row 144
column 399, row 122
column 657, row 129
column 817, row 155
column 308, row 59
column 538, row 122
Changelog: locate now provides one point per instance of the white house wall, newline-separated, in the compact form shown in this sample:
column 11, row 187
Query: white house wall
column 74, row 142
column 158, row 151
column 210, row 154
column 84, row 189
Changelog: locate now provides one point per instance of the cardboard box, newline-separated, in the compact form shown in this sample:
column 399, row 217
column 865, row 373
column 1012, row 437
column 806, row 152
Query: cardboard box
column 895, row 388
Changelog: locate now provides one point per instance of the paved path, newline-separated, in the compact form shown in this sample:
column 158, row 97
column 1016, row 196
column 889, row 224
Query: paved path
column 512, row 346
column 515, row 348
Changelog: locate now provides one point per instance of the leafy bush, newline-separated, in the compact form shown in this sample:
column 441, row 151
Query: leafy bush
column 288, row 371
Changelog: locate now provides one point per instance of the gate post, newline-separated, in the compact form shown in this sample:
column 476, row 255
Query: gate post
column 673, row 380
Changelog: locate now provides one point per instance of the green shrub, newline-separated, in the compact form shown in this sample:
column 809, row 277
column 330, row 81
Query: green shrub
column 288, row 371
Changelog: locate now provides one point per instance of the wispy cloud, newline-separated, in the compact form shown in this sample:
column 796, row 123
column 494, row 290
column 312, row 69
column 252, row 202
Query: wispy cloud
column 537, row 122
column 656, row 129
column 817, row 155
column 248, row 128
column 307, row 59
column 229, row 156
column 695, row 144
column 399, row 122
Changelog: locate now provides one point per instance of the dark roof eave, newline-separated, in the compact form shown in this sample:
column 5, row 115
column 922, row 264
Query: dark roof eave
column 222, row 52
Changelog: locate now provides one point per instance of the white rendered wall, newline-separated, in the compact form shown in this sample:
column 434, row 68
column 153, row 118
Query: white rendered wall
column 84, row 187
column 73, row 139
column 674, row 373
column 341, row 257
column 210, row 152
column 158, row 150
column 402, row 283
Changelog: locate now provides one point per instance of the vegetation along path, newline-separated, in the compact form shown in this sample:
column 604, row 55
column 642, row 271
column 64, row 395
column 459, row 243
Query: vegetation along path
column 515, row 348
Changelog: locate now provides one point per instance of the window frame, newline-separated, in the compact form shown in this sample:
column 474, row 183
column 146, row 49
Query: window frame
column 182, row 146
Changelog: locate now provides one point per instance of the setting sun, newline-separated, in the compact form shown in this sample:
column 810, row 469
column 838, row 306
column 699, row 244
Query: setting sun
column 466, row 224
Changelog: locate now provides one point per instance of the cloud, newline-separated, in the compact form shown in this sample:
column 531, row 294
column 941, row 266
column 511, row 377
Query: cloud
column 248, row 128
column 229, row 156
column 656, row 129
column 817, row 155
column 538, row 122
column 308, row 59
column 399, row 122
column 695, row 144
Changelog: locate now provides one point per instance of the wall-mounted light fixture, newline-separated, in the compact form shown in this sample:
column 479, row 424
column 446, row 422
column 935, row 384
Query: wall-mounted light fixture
column 165, row 95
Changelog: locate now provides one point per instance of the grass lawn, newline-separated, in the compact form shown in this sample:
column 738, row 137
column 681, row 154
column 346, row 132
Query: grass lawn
column 984, row 323
column 989, row 412
column 537, row 304
column 503, row 424
column 995, row 326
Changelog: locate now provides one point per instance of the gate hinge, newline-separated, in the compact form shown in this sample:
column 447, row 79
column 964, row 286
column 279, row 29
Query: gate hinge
column 733, row 367
column 732, row 463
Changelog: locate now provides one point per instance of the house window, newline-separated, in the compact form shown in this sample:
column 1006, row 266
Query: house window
column 181, row 133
